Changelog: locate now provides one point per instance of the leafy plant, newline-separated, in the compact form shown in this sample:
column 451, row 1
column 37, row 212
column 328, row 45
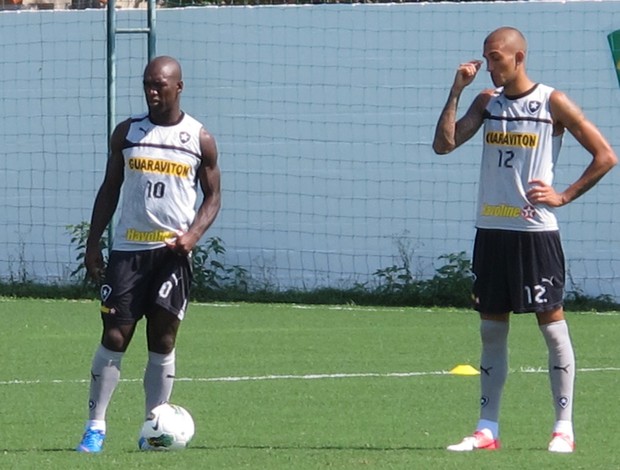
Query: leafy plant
column 450, row 286
column 452, row 283
column 393, row 278
column 19, row 275
column 79, row 236
column 397, row 278
column 211, row 274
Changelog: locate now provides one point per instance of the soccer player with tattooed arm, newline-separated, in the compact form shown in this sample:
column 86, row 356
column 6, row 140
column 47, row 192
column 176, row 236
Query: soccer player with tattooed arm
column 518, row 261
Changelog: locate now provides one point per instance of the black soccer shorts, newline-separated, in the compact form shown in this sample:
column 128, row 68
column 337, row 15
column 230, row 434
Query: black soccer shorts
column 136, row 282
column 518, row 272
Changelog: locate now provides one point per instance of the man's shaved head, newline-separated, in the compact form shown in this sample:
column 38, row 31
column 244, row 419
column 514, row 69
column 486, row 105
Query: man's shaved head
column 508, row 38
column 167, row 65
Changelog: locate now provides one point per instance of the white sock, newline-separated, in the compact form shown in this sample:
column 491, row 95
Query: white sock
column 97, row 424
column 564, row 427
column 491, row 426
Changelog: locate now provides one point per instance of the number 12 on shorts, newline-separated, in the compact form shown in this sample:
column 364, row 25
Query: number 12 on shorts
column 535, row 294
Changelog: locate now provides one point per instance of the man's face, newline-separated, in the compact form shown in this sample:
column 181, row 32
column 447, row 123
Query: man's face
column 161, row 90
column 501, row 62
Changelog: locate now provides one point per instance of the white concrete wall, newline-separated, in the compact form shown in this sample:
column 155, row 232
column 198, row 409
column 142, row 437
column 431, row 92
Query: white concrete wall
column 324, row 117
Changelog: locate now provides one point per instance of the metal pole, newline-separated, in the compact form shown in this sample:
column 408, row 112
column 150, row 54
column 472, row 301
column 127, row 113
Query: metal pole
column 111, row 66
column 111, row 71
column 152, row 38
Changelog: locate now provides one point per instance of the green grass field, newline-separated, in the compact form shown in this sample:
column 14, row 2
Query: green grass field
column 303, row 387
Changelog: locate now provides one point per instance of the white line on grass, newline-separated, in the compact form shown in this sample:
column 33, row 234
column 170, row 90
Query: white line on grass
column 256, row 378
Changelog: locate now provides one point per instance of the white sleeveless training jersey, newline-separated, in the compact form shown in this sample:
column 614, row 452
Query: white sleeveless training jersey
column 519, row 147
column 160, row 187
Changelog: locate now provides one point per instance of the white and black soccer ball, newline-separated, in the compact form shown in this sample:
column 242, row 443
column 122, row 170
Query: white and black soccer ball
column 168, row 427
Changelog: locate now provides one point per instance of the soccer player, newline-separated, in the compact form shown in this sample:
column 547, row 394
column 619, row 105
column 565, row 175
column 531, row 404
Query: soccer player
column 158, row 158
column 518, row 260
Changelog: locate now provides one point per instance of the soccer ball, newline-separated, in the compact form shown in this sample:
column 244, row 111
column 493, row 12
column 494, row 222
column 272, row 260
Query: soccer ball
column 167, row 427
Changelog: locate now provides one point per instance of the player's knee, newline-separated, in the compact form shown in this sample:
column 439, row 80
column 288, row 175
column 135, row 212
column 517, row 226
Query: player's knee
column 114, row 342
column 162, row 348
column 117, row 338
column 162, row 344
column 550, row 316
column 494, row 332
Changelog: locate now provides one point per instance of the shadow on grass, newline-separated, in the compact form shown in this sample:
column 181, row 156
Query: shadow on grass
column 286, row 448
column 345, row 448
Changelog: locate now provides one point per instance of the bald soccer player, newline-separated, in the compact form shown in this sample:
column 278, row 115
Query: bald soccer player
column 518, row 262
column 159, row 158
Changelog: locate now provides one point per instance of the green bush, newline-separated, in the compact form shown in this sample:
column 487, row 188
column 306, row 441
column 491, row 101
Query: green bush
column 395, row 285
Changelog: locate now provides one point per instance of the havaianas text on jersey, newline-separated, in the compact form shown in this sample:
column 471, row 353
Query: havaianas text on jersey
column 501, row 210
column 155, row 236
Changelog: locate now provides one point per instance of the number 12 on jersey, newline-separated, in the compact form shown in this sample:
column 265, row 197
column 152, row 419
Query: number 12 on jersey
column 505, row 157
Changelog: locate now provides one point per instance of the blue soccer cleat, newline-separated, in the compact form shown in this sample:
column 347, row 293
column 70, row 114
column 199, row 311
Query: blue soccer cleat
column 92, row 441
column 143, row 444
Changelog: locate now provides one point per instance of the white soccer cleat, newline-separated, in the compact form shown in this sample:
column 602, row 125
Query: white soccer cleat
column 480, row 440
column 561, row 443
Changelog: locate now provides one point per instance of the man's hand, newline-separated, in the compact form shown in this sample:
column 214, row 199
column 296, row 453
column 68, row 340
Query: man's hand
column 93, row 260
column 542, row 193
column 466, row 73
column 182, row 244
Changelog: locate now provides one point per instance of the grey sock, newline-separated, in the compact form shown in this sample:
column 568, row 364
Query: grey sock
column 561, row 368
column 158, row 379
column 104, row 376
column 493, row 367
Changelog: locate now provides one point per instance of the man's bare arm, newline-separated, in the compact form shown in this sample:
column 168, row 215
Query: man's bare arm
column 568, row 115
column 451, row 133
column 106, row 202
column 209, row 177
